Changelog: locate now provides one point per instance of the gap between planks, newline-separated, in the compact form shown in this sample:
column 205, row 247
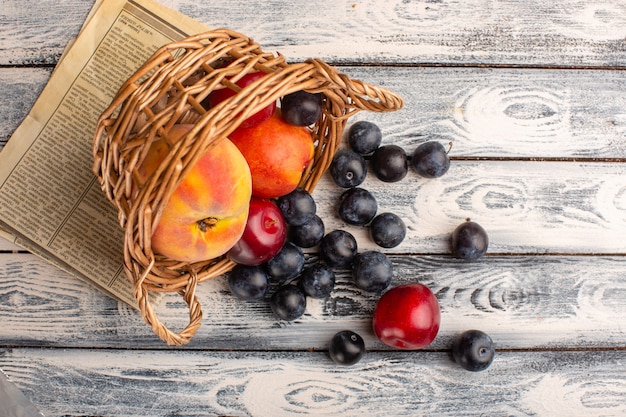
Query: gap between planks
column 308, row 350
column 342, row 63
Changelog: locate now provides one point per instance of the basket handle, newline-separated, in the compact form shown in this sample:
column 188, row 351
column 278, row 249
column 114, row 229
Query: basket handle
column 195, row 312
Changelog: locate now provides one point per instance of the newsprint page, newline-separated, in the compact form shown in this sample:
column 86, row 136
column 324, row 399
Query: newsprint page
column 50, row 201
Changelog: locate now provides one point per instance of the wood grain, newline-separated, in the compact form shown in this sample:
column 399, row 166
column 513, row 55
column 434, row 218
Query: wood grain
column 505, row 113
column 486, row 113
column 36, row 32
column 526, row 206
column 532, row 33
column 19, row 88
column 141, row 383
column 522, row 302
column 530, row 96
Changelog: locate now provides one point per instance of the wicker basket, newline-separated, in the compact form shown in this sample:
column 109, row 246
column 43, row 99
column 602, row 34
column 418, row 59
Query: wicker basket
column 168, row 89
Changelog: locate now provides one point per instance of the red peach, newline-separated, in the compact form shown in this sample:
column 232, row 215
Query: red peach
column 277, row 153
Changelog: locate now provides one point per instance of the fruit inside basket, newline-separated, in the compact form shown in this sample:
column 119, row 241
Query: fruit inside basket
column 169, row 108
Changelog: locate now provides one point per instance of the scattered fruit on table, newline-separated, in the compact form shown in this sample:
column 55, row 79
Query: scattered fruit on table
column 473, row 350
column 469, row 241
column 346, row 348
column 288, row 302
column 218, row 96
column 277, row 154
column 364, row 137
column 348, row 169
column 357, row 206
column 407, row 317
column 430, row 160
column 387, row 230
column 243, row 198
column 317, row 280
column 207, row 212
column 278, row 150
column 248, row 282
column 309, row 234
column 301, row 108
column 372, row 271
column 264, row 235
column 286, row 264
column 298, row 207
column 338, row 248
column 389, row 163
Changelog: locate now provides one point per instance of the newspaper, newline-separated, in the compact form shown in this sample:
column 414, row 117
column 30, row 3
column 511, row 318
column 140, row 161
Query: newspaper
column 50, row 201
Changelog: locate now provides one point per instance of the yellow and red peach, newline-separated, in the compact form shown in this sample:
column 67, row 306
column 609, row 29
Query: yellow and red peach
column 207, row 213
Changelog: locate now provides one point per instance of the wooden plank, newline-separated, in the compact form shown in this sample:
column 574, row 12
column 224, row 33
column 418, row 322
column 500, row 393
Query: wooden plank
column 522, row 302
column 19, row 88
column 37, row 32
column 534, row 33
column 550, row 290
column 139, row 383
column 485, row 113
column 525, row 206
column 511, row 113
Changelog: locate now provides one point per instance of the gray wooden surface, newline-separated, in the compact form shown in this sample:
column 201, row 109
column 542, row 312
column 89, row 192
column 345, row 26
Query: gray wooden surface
column 532, row 96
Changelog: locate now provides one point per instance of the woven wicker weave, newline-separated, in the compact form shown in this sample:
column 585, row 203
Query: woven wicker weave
column 168, row 90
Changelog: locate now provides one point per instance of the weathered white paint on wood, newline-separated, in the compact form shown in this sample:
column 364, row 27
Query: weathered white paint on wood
column 523, row 302
column 36, row 32
column 538, row 32
column 505, row 112
column 550, row 291
column 19, row 89
column 526, row 206
column 512, row 113
column 147, row 383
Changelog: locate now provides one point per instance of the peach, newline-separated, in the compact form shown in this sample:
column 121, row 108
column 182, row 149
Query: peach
column 207, row 213
column 277, row 154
